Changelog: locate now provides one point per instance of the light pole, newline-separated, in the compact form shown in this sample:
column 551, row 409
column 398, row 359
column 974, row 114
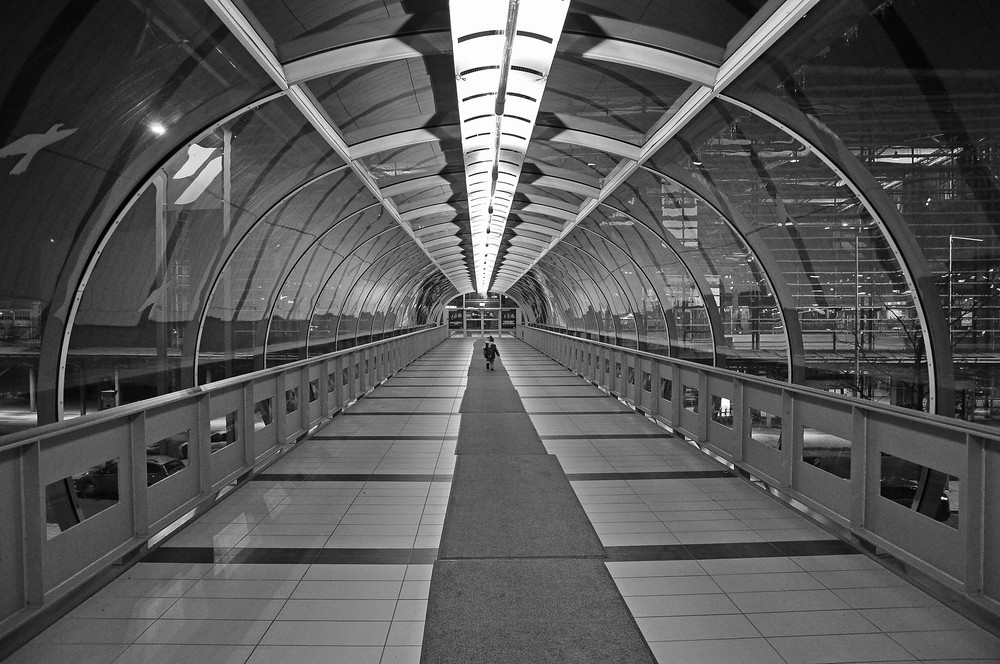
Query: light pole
column 951, row 247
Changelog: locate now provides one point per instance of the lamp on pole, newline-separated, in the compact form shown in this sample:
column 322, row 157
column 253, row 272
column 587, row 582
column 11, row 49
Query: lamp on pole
column 951, row 248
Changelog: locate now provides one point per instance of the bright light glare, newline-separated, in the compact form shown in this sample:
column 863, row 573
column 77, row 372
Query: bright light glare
column 157, row 129
column 496, row 130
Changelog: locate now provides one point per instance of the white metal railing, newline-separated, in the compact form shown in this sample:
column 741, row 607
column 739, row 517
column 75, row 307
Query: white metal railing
column 227, row 430
column 848, row 459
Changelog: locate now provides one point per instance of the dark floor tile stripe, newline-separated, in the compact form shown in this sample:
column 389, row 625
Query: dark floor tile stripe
column 361, row 436
column 181, row 554
column 605, row 436
column 581, row 412
column 663, row 475
column 292, row 556
column 384, row 413
column 724, row 550
column 350, row 477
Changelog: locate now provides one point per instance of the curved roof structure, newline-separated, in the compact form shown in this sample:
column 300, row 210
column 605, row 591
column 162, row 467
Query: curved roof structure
column 805, row 189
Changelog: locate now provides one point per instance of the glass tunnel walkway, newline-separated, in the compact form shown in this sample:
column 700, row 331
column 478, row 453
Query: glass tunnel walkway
column 430, row 522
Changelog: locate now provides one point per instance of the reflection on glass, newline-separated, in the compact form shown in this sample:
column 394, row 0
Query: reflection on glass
column 175, row 446
column 722, row 411
column 331, row 383
column 291, row 400
column 765, row 428
column 262, row 414
column 618, row 369
column 827, row 452
column 313, row 390
column 691, row 398
column 72, row 499
column 647, row 382
column 225, row 431
column 903, row 482
column 666, row 389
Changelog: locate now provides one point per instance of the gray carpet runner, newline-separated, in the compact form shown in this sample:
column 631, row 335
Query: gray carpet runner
column 520, row 575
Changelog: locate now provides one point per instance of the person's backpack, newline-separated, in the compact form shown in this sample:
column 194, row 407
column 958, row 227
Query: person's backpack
column 486, row 350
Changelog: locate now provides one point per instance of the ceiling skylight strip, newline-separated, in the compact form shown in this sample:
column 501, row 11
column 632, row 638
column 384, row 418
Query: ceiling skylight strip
column 503, row 50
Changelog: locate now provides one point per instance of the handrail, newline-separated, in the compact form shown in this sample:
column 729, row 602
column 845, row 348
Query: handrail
column 61, row 530
column 20, row 438
column 897, row 411
column 888, row 478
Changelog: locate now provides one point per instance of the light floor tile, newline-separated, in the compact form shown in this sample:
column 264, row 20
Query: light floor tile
column 673, row 585
column 865, row 578
column 235, row 571
column 142, row 653
column 316, row 655
column 680, row 605
column 338, row 609
column 123, row 607
column 195, row 608
column 326, row 633
column 807, row 623
column 410, row 610
column 348, row 590
column 401, row 655
column 743, row 583
column 60, row 653
column 248, row 588
column 356, row 573
column 794, row 600
column 206, row 632
column 743, row 651
column 749, row 565
column 94, row 630
column 406, row 634
column 621, row 570
column 925, row 618
column 893, row 597
column 839, row 648
column 124, row 587
column 689, row 628
column 965, row 644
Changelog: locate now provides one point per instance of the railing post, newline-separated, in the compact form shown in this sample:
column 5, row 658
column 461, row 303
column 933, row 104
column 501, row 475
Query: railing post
column 324, row 388
column 972, row 500
column 861, row 456
column 791, row 445
column 676, row 395
column 305, row 407
column 248, row 425
column 704, row 405
column 741, row 417
column 202, row 444
column 140, row 492
column 34, row 524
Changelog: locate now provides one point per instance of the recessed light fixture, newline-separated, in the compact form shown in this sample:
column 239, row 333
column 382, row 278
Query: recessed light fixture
column 503, row 50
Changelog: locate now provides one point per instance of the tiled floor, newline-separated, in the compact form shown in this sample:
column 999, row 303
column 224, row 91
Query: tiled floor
column 327, row 556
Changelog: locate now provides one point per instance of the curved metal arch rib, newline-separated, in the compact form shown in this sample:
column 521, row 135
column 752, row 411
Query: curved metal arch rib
column 363, row 302
column 317, row 240
column 904, row 246
column 633, row 305
column 649, row 281
column 575, row 294
column 206, row 302
column 772, row 273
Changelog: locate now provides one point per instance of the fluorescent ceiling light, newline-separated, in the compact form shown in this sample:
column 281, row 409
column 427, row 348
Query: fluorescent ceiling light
column 503, row 50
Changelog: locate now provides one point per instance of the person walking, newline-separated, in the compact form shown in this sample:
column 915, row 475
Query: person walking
column 490, row 352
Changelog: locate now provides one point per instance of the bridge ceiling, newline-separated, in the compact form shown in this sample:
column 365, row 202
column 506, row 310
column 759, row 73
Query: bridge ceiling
column 194, row 161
